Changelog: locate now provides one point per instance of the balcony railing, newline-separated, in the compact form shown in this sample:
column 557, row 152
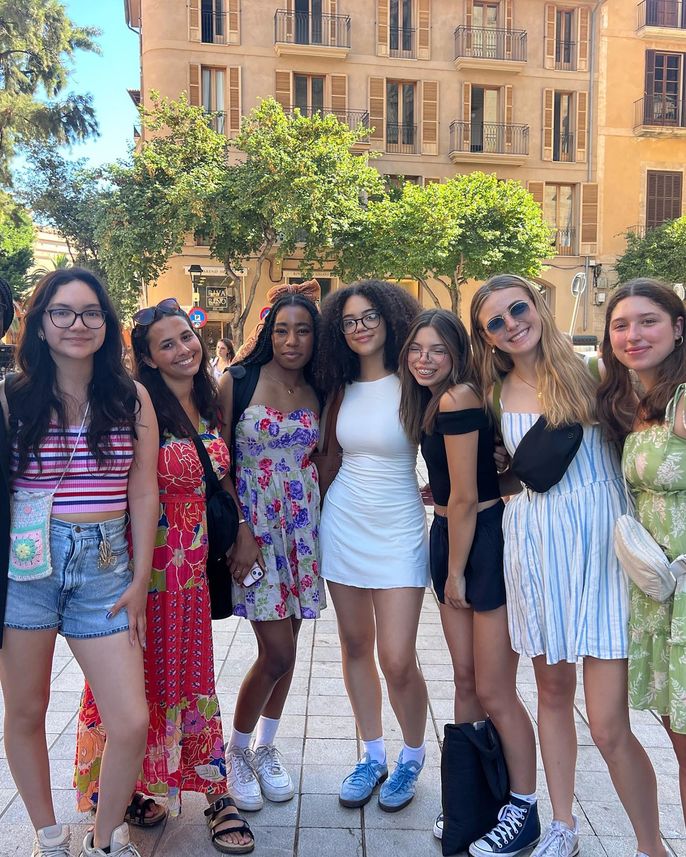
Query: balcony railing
column 564, row 241
column 489, row 138
column 402, row 42
column 659, row 111
column 565, row 55
column 300, row 28
column 351, row 118
column 213, row 28
column 401, row 139
column 217, row 121
column 662, row 13
column 484, row 43
column 563, row 148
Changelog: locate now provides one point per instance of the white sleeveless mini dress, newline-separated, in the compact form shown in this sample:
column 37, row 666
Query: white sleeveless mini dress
column 373, row 528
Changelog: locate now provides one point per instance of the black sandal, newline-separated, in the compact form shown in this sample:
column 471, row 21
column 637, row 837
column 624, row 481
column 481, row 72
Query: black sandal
column 215, row 819
column 139, row 806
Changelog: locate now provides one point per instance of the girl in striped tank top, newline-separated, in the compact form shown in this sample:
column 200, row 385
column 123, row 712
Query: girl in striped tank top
column 81, row 428
column 566, row 593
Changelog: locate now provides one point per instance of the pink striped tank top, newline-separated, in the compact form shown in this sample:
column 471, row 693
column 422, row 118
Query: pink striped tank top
column 86, row 487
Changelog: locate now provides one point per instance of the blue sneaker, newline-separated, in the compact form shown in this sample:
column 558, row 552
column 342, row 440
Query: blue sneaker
column 517, row 831
column 399, row 788
column 358, row 786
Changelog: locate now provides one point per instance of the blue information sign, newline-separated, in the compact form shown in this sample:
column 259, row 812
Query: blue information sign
column 198, row 316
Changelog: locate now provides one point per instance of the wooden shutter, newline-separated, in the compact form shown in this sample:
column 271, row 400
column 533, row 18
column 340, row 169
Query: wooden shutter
column 423, row 29
column 290, row 20
column 431, row 180
column 339, row 96
column 377, row 109
column 581, row 126
column 508, row 113
column 536, row 189
column 194, row 95
column 430, row 117
column 333, row 29
column 233, row 16
column 589, row 219
column 509, row 15
column 548, row 124
column 194, row 20
column 468, row 18
column 233, row 99
column 582, row 38
column 467, row 115
column 382, row 28
column 550, row 34
column 283, row 90
column 663, row 197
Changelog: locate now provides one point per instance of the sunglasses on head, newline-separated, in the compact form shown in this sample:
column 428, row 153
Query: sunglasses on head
column 516, row 311
column 145, row 317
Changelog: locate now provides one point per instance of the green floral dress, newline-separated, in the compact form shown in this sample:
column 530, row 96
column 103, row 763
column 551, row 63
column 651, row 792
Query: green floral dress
column 654, row 463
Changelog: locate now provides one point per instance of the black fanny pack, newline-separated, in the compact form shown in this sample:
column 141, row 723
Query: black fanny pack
column 544, row 454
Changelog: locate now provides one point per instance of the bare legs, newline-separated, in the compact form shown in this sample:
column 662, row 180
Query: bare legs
column 389, row 617
column 119, row 691
column 678, row 740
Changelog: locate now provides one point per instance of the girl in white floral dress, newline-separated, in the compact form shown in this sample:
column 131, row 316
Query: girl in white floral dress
column 644, row 329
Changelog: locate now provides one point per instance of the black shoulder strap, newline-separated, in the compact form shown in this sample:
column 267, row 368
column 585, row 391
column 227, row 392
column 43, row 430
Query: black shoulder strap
column 211, row 482
column 245, row 380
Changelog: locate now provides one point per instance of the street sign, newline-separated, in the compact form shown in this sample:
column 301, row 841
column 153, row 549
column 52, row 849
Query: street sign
column 264, row 312
column 217, row 298
column 198, row 317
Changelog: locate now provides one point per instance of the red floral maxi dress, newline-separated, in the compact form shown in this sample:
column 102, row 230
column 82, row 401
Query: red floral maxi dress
column 185, row 749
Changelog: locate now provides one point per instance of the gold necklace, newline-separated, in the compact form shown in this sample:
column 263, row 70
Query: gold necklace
column 528, row 384
column 290, row 390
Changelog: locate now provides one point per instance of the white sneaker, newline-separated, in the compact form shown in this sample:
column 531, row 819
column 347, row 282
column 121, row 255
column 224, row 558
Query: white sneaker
column 242, row 779
column 559, row 841
column 274, row 779
column 438, row 826
column 120, row 845
column 52, row 841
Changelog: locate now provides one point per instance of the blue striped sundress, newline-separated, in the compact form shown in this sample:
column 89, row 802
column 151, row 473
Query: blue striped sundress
column 567, row 596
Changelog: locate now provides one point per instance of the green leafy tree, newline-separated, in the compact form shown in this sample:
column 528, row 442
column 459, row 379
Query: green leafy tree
column 37, row 43
column 469, row 227
column 16, row 242
column 660, row 253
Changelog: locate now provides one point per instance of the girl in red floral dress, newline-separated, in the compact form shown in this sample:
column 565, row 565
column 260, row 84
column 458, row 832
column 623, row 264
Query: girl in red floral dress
column 185, row 748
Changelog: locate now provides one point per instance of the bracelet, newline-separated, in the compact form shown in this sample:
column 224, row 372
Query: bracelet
column 241, row 521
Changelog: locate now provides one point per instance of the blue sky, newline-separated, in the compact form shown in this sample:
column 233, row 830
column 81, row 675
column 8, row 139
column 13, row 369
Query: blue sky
column 107, row 77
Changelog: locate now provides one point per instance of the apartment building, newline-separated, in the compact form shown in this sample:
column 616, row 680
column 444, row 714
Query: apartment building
column 514, row 87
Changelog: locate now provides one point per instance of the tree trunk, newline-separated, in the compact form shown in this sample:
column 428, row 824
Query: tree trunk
column 239, row 325
column 430, row 293
column 455, row 299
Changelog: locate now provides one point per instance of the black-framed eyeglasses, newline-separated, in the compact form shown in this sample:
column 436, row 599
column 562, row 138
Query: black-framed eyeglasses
column 370, row 320
column 145, row 317
column 517, row 310
column 434, row 355
column 63, row 318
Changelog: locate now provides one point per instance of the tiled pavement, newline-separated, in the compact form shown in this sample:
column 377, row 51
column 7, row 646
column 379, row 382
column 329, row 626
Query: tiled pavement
column 317, row 737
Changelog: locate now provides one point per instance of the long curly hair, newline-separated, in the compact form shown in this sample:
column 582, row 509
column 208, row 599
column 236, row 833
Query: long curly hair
column 171, row 417
column 336, row 363
column 263, row 351
column 565, row 386
column 33, row 396
column 618, row 404
column 418, row 406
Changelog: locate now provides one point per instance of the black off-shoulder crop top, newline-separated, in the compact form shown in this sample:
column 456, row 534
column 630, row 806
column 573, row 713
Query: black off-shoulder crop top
column 433, row 451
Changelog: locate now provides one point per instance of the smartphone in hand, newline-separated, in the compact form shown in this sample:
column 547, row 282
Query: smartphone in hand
column 253, row 575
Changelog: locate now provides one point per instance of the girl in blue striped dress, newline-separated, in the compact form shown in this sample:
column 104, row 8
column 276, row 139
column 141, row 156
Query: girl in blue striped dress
column 566, row 594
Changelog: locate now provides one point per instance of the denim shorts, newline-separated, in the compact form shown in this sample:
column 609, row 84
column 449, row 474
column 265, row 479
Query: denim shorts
column 76, row 598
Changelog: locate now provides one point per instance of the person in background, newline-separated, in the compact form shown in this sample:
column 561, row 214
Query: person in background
column 6, row 316
column 225, row 353
column 644, row 336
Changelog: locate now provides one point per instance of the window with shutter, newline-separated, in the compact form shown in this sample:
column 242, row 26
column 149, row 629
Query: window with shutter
column 377, row 109
column 339, row 96
column 194, row 20
column 583, row 35
column 283, row 89
column 382, row 28
column 234, row 99
column 589, row 219
column 663, row 197
column 430, row 117
column 194, row 84
column 581, row 125
column 549, row 38
column 548, row 124
column 424, row 29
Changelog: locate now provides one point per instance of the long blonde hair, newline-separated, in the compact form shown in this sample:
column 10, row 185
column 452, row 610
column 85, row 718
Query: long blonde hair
column 565, row 386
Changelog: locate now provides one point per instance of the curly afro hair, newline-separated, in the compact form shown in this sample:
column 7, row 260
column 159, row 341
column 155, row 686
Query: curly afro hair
column 336, row 364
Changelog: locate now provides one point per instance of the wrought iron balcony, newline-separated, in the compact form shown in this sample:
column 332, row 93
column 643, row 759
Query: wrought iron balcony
column 659, row 111
column 670, row 14
column 402, row 42
column 488, row 138
column 565, row 55
column 213, row 26
column 352, row 118
column 319, row 31
column 483, row 43
column 564, row 241
column 563, row 148
column 401, row 138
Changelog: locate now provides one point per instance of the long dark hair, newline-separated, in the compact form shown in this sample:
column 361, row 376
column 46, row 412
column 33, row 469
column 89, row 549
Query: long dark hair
column 418, row 405
column 171, row 417
column 336, row 363
column 230, row 348
column 617, row 402
column 33, row 395
column 263, row 351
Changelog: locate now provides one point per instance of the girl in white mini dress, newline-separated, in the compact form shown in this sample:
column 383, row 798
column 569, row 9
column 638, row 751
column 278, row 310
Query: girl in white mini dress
column 373, row 533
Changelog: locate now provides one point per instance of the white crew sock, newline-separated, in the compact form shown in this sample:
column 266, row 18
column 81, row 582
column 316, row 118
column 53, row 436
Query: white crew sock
column 265, row 731
column 240, row 739
column 376, row 750
column 414, row 754
column 530, row 799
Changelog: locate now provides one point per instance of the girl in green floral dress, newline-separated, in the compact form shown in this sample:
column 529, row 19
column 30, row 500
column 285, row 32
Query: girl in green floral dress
column 644, row 335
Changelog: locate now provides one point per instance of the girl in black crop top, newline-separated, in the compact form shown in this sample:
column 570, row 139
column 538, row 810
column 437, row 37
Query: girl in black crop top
column 441, row 408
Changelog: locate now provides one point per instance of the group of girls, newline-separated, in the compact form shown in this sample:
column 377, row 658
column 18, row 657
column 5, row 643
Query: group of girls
column 535, row 576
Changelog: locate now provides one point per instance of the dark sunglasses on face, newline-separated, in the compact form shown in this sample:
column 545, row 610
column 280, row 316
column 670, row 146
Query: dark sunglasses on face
column 369, row 320
column 517, row 310
column 145, row 317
